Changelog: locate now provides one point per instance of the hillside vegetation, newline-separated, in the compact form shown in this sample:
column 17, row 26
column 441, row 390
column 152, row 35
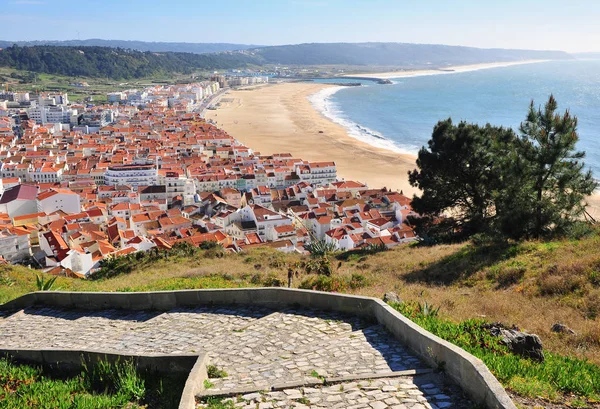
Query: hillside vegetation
column 154, row 46
column 531, row 285
column 116, row 63
column 395, row 54
column 140, row 60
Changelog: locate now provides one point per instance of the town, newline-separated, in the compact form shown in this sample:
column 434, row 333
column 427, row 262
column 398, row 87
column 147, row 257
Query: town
column 82, row 183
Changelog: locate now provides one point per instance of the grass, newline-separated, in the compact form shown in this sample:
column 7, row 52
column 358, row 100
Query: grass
column 511, row 284
column 215, row 372
column 557, row 378
column 103, row 385
column 22, row 81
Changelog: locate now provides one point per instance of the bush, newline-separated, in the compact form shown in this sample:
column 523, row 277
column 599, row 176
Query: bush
column 358, row 281
column 510, row 276
column 215, row 372
column 272, row 281
column 323, row 283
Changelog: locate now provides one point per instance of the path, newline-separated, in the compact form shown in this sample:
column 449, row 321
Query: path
column 257, row 347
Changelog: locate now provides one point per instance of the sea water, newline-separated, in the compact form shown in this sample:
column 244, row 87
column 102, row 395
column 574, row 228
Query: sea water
column 401, row 116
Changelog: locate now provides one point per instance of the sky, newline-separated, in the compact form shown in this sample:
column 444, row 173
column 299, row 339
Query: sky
column 568, row 25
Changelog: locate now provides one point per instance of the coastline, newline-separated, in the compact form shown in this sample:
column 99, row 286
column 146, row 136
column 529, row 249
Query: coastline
column 279, row 118
column 282, row 117
column 442, row 71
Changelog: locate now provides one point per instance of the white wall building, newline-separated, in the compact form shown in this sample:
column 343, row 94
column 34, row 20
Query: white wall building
column 132, row 175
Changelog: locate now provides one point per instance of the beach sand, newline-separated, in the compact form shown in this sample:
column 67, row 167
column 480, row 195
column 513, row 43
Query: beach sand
column 279, row 118
column 449, row 70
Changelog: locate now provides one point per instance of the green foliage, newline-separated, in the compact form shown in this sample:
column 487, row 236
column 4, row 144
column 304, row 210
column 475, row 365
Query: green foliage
column 115, row 63
column 44, row 285
column 320, row 248
column 120, row 378
column 489, row 180
column 556, row 375
column 207, row 245
column 358, row 281
column 459, row 171
column 101, row 385
column 319, row 265
column 219, row 403
column 547, row 183
column 324, row 283
column 428, row 310
column 215, row 372
column 208, row 384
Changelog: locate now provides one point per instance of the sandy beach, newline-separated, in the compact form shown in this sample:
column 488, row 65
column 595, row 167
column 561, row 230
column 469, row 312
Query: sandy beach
column 446, row 70
column 279, row 118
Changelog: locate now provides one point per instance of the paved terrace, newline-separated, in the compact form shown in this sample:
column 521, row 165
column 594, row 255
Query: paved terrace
column 259, row 348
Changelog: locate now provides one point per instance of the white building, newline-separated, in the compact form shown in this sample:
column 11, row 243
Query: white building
column 58, row 199
column 13, row 246
column 19, row 200
column 52, row 114
column 131, row 175
column 317, row 173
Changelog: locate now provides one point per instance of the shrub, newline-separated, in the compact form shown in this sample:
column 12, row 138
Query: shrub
column 272, row 281
column 559, row 284
column 215, row 372
column 510, row 276
column 320, row 248
column 319, row 265
column 323, row 283
column 42, row 284
column 358, row 281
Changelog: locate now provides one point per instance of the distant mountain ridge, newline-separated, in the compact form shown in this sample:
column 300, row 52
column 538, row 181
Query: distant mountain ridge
column 128, row 62
column 395, row 54
column 181, row 47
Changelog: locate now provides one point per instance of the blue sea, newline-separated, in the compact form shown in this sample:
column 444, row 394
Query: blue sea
column 401, row 116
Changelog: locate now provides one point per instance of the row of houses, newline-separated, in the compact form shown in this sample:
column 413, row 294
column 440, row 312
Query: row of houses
column 157, row 176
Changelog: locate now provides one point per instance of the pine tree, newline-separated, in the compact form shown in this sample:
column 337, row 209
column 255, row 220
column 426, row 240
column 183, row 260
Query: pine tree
column 458, row 174
column 545, row 183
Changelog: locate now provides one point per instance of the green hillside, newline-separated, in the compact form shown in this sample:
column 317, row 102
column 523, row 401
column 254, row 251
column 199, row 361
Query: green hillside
column 531, row 285
column 127, row 63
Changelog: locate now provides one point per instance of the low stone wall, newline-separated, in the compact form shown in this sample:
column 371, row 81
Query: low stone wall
column 468, row 372
column 74, row 359
column 194, row 383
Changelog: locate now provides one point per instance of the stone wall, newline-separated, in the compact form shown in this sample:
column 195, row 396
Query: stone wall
column 468, row 372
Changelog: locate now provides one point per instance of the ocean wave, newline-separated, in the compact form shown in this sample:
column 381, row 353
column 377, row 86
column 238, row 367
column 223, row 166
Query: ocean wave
column 323, row 103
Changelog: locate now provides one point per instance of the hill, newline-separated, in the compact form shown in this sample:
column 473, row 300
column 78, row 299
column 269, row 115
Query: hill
column 196, row 48
column 116, row 63
column 394, row 54
column 126, row 63
column 469, row 283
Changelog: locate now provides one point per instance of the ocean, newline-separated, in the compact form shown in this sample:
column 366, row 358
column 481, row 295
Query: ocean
column 401, row 116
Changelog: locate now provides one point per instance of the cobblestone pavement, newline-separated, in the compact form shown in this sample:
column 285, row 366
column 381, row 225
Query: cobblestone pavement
column 257, row 347
column 430, row 392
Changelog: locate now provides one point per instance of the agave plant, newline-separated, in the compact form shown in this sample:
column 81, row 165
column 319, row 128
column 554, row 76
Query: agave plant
column 428, row 310
column 43, row 284
column 320, row 248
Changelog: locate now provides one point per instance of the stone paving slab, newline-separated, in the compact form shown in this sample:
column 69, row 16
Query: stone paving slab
column 257, row 347
column 431, row 392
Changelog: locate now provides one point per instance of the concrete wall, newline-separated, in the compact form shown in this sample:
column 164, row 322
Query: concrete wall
column 194, row 384
column 74, row 359
column 466, row 370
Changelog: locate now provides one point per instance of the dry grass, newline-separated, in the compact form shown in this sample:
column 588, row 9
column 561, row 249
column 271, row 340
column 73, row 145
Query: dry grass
column 532, row 285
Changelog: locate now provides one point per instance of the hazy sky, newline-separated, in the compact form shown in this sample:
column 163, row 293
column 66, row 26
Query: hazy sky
column 570, row 25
